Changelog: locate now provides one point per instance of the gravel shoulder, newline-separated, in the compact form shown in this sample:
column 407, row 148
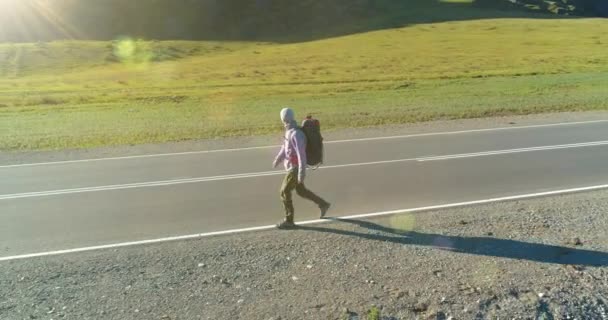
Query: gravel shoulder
column 8, row 158
column 543, row 258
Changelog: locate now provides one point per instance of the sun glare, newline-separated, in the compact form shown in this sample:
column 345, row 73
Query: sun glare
column 33, row 19
column 6, row 5
column 12, row 5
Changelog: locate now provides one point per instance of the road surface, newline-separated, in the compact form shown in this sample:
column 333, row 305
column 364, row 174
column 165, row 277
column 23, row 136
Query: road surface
column 75, row 204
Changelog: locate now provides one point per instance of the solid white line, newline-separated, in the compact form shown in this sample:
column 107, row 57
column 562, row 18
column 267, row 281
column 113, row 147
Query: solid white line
column 327, row 142
column 278, row 172
column 269, row 227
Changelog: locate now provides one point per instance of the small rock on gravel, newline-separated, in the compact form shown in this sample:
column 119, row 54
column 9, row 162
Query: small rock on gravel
column 420, row 307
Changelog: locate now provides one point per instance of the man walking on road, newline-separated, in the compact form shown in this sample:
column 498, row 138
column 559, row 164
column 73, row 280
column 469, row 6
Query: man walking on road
column 293, row 156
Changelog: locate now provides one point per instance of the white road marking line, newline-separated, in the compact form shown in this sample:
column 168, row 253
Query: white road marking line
column 416, row 135
column 136, row 185
column 499, row 152
column 279, row 172
column 158, row 155
column 269, row 227
column 274, row 146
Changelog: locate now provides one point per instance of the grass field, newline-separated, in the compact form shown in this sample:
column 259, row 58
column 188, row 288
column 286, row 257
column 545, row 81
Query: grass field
column 76, row 94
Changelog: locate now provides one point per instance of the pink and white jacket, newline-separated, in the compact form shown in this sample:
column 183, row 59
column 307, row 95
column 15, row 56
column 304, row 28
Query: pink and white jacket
column 293, row 150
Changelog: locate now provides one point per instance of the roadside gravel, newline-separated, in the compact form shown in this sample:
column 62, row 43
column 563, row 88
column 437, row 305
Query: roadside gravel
column 537, row 259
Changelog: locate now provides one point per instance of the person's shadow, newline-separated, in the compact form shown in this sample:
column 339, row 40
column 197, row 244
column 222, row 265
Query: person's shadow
column 485, row 246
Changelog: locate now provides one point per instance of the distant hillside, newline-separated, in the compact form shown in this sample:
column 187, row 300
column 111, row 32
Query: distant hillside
column 597, row 8
column 471, row 62
column 263, row 20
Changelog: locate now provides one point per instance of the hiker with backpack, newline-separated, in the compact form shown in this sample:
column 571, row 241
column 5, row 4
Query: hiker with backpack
column 296, row 154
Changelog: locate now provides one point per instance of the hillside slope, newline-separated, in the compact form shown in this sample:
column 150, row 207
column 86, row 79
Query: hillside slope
column 435, row 60
column 261, row 20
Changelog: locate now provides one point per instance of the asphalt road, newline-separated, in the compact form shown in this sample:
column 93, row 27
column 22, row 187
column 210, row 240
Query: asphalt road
column 56, row 206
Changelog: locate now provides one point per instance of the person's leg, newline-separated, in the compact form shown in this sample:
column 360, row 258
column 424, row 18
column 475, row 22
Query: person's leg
column 289, row 184
column 305, row 193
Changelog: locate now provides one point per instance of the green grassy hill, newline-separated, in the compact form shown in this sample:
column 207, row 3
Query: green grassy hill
column 259, row 20
column 440, row 64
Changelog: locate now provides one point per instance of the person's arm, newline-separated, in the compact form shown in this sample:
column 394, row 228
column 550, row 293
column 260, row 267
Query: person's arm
column 300, row 145
column 280, row 157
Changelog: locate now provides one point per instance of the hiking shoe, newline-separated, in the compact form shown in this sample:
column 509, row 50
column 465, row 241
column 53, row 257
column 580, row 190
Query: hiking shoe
column 285, row 225
column 324, row 208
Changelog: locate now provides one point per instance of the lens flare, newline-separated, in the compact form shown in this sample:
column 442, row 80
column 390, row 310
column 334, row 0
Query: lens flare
column 125, row 49
column 403, row 223
column 134, row 53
